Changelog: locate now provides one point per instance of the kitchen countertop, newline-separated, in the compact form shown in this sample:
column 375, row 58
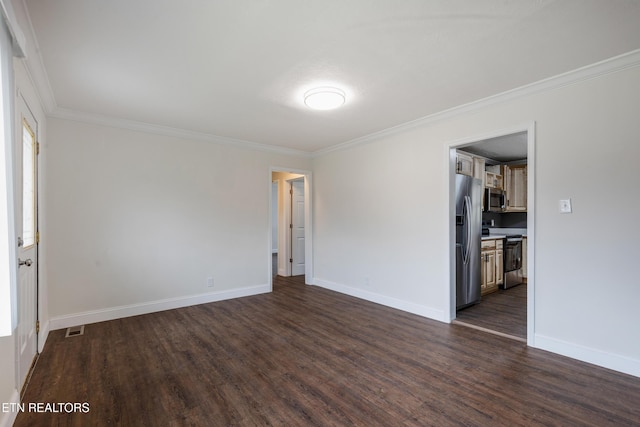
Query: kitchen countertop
column 501, row 233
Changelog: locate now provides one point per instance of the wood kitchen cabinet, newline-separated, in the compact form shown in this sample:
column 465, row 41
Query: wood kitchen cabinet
column 489, row 270
column 493, row 177
column 478, row 173
column 478, row 169
column 499, row 265
column 492, row 271
column 515, row 186
column 464, row 163
column 493, row 180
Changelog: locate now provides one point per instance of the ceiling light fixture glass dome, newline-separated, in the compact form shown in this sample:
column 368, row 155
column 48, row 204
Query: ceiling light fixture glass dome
column 324, row 98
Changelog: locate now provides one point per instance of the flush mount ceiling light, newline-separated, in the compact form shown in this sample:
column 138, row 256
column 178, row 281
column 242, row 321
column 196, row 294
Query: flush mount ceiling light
column 324, row 98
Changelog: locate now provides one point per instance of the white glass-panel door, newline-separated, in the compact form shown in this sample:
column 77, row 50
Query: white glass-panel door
column 27, row 209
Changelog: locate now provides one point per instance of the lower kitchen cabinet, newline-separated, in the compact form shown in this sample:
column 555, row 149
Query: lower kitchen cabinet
column 489, row 271
column 492, row 270
column 499, row 265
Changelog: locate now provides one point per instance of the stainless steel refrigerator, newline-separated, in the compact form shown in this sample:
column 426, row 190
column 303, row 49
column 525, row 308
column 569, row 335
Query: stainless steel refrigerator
column 468, row 239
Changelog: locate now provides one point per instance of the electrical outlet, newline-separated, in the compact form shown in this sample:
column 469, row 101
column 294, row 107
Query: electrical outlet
column 209, row 282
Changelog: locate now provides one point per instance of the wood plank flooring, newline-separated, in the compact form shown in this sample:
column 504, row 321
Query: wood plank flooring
column 307, row 356
column 504, row 311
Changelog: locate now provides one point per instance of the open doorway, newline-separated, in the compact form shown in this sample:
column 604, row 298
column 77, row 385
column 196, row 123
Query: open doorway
column 492, row 283
column 291, row 232
column 275, row 194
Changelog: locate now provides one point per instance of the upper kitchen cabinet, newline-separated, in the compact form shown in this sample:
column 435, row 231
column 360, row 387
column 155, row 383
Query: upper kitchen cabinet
column 478, row 168
column 493, row 177
column 464, row 163
column 467, row 164
column 515, row 183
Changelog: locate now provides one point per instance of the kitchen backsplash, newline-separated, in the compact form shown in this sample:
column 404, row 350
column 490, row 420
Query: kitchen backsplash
column 506, row 220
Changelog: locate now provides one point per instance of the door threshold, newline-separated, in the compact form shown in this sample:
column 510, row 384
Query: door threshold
column 490, row 331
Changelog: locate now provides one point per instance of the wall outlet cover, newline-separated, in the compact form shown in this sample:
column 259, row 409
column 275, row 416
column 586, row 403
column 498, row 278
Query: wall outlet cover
column 565, row 206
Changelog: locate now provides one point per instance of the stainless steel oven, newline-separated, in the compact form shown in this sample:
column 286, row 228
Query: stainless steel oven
column 512, row 261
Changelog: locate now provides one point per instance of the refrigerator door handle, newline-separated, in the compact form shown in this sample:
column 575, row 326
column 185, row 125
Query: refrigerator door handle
column 467, row 219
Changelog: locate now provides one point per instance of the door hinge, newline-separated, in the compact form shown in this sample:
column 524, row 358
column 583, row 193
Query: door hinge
column 37, row 326
column 290, row 225
column 37, row 237
column 291, row 191
column 290, row 259
column 37, row 148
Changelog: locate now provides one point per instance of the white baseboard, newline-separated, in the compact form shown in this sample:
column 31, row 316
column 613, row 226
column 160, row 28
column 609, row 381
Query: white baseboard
column 601, row 358
column 8, row 418
column 66, row 321
column 399, row 304
column 43, row 335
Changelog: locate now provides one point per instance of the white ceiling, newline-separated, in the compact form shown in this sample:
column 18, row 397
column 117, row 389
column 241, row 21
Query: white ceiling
column 237, row 69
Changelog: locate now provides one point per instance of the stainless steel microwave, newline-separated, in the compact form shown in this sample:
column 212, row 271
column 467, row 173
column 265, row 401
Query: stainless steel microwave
column 494, row 200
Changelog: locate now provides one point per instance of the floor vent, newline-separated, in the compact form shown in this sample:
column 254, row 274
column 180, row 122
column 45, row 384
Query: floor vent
column 74, row 331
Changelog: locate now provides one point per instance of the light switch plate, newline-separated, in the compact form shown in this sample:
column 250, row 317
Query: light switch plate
column 565, row 206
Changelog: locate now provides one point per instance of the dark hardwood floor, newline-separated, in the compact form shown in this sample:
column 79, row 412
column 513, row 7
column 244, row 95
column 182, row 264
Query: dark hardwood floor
column 504, row 311
column 303, row 355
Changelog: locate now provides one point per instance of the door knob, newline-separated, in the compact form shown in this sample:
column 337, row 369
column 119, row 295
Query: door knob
column 26, row 262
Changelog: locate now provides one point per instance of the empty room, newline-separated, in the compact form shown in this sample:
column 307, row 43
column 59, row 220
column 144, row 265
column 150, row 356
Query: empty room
column 319, row 213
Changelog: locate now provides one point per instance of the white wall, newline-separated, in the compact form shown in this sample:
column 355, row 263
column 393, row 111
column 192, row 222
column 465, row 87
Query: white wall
column 382, row 225
column 137, row 219
column 8, row 391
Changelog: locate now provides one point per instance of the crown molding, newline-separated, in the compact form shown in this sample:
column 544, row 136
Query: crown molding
column 34, row 64
column 607, row 66
column 96, row 119
column 38, row 75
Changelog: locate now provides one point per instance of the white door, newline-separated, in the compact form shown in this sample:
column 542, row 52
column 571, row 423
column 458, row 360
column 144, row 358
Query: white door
column 27, row 218
column 297, row 227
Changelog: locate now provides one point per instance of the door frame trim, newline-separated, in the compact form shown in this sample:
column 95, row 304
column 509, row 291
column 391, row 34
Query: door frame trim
column 308, row 219
column 450, row 293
